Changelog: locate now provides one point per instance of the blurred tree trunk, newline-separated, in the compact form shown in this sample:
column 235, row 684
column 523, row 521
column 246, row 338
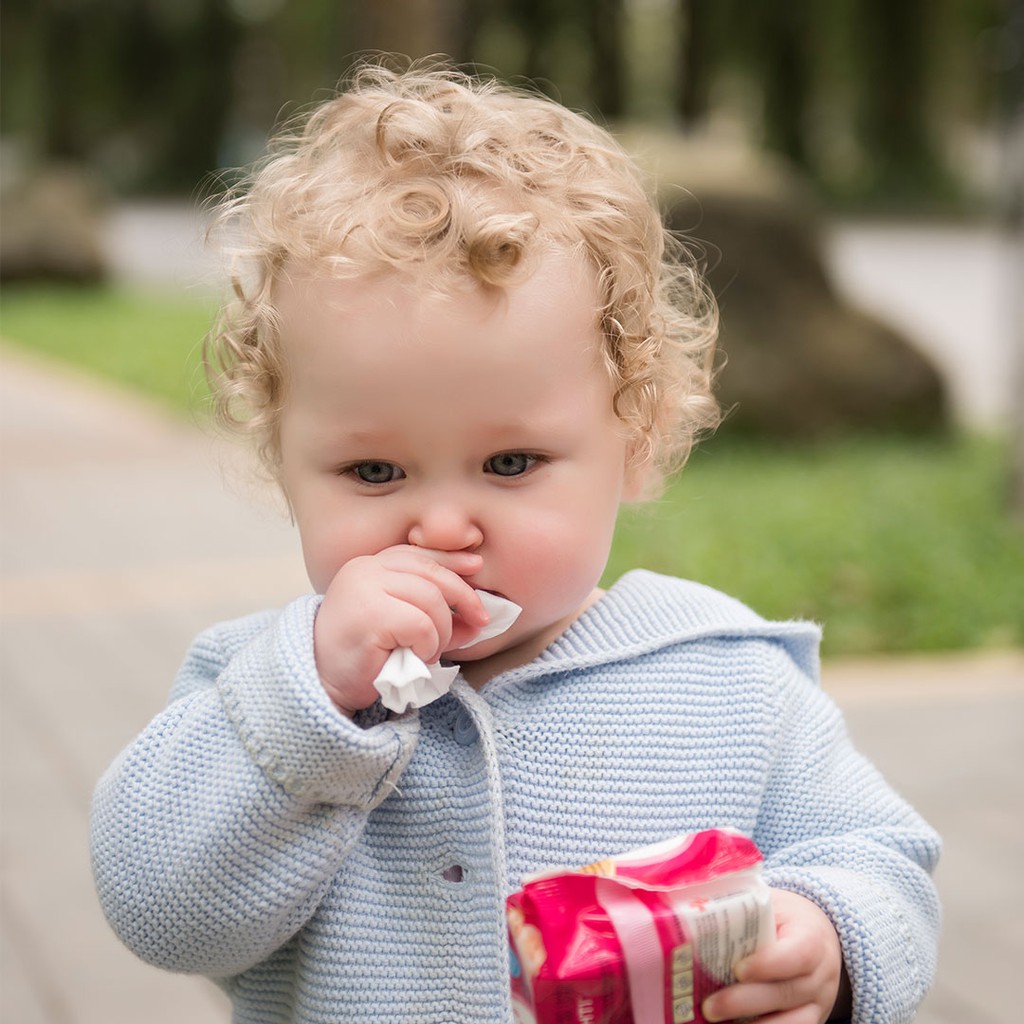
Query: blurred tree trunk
column 468, row 19
column 415, row 28
column 786, row 41
column 536, row 19
column 64, row 30
column 894, row 46
column 138, row 94
column 195, row 104
column 607, row 79
column 693, row 71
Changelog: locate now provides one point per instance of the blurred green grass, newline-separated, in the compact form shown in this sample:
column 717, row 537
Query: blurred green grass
column 893, row 544
column 150, row 342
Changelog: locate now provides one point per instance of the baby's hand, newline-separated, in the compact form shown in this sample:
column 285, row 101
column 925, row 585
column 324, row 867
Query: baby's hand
column 798, row 979
column 401, row 597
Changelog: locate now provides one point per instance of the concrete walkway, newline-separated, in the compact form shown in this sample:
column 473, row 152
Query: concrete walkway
column 119, row 540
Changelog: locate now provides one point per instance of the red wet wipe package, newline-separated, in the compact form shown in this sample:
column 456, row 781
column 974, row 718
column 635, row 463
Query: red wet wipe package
column 642, row 938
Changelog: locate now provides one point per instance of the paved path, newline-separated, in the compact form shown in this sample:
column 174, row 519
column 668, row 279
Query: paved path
column 119, row 540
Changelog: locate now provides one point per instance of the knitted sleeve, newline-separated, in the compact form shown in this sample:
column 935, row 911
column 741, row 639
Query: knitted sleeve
column 834, row 831
column 217, row 832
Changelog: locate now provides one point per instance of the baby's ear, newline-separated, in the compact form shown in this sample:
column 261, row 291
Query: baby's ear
column 639, row 481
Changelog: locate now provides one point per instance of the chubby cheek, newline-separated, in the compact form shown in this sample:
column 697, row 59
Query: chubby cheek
column 323, row 559
column 326, row 548
column 555, row 565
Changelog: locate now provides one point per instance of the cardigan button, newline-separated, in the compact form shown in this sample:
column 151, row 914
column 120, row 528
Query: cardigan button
column 465, row 729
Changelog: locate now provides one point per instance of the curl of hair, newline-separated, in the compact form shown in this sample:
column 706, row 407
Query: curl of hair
column 422, row 168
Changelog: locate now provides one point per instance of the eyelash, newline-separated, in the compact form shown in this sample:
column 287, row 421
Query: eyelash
column 352, row 470
column 531, row 461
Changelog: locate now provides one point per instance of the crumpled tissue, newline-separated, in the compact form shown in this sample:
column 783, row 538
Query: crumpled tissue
column 405, row 681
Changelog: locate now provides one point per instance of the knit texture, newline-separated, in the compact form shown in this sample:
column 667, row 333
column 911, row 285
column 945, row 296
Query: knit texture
column 325, row 871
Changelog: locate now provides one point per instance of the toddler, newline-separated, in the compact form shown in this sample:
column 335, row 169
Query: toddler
column 461, row 338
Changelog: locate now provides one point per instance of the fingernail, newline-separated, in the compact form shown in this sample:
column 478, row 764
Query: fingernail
column 707, row 1008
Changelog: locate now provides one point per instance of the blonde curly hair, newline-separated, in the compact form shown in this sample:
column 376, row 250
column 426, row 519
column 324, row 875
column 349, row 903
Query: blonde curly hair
column 426, row 168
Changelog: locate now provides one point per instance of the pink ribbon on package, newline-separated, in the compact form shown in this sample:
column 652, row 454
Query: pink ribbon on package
column 641, row 949
column 643, row 937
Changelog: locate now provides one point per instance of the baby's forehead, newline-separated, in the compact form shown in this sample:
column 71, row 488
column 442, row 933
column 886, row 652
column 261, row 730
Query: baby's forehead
column 353, row 288
column 385, row 320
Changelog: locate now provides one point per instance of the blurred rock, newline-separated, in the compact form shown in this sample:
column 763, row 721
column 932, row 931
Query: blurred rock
column 52, row 226
column 799, row 362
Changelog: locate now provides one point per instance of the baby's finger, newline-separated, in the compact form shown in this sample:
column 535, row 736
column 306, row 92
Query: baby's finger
column 806, row 1014
column 469, row 615
column 462, row 563
column 417, row 615
column 762, row 1000
column 777, row 961
column 445, row 571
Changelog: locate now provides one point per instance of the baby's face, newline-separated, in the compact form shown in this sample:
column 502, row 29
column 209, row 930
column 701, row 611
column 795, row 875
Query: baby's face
column 480, row 421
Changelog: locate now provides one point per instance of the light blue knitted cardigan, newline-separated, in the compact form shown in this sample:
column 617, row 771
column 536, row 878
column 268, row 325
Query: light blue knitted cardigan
column 326, row 871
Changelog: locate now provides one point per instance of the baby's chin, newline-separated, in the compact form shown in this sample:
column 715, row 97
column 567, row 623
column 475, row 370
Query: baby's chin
column 480, row 651
column 491, row 658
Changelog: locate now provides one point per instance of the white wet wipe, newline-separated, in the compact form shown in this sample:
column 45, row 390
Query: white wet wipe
column 405, row 681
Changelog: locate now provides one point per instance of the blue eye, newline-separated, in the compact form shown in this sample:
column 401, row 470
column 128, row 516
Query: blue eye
column 509, row 464
column 377, row 472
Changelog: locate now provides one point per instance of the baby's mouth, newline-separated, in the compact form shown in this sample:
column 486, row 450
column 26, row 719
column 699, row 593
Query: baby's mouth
column 503, row 613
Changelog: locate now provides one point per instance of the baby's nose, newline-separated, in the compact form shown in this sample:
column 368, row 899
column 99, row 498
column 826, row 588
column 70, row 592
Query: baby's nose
column 446, row 527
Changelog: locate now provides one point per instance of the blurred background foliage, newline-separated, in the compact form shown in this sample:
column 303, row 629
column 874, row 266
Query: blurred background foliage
column 876, row 101
column 753, row 117
column 843, row 486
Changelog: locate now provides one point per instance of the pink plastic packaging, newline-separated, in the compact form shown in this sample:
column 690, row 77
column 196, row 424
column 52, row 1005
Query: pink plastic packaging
column 642, row 938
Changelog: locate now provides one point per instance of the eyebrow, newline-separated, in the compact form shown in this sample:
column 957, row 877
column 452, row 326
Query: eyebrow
column 362, row 438
column 516, row 432
column 368, row 437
